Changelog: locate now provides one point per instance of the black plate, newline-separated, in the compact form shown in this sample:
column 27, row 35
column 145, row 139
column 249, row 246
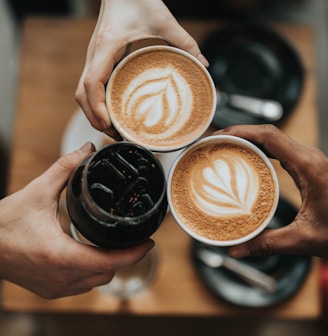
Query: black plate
column 289, row 271
column 255, row 61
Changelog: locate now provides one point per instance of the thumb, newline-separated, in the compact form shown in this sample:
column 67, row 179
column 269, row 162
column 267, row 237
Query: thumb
column 286, row 240
column 58, row 173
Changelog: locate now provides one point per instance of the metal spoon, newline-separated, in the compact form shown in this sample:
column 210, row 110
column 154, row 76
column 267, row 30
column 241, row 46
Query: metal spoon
column 250, row 274
column 270, row 110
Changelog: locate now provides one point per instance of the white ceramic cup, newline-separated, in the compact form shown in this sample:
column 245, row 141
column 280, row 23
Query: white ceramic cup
column 161, row 97
column 222, row 190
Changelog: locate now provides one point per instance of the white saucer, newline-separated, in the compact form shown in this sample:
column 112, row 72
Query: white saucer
column 79, row 130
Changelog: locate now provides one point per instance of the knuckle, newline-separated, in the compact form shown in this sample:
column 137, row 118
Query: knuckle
column 78, row 96
column 270, row 128
column 54, row 294
column 65, row 162
column 268, row 131
column 106, row 279
column 314, row 163
column 264, row 248
column 88, row 82
column 189, row 42
column 56, row 285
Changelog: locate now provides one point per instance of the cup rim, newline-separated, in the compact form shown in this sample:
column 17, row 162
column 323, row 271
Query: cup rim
column 259, row 229
column 124, row 133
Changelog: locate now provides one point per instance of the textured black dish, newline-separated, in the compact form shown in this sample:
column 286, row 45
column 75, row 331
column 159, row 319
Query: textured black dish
column 289, row 271
column 254, row 61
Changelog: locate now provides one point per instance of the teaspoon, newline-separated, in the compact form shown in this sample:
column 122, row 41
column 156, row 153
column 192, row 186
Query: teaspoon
column 250, row 274
column 270, row 110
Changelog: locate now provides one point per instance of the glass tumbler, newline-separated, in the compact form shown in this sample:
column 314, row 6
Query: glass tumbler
column 116, row 199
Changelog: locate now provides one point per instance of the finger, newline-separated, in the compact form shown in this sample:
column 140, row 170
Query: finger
column 98, row 119
column 171, row 31
column 274, row 142
column 91, row 96
column 58, row 174
column 60, row 293
column 269, row 137
column 179, row 37
column 85, row 285
column 113, row 133
column 81, row 97
column 96, row 110
column 286, row 240
column 95, row 280
column 91, row 90
column 95, row 259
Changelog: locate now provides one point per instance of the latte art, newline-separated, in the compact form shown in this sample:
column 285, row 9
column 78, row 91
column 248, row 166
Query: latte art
column 227, row 186
column 222, row 189
column 159, row 101
column 161, row 98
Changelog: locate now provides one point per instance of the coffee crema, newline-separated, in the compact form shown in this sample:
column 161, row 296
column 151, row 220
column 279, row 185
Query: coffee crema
column 222, row 191
column 161, row 98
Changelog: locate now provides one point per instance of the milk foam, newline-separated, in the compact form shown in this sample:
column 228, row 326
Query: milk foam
column 222, row 191
column 159, row 101
column 226, row 186
column 160, row 98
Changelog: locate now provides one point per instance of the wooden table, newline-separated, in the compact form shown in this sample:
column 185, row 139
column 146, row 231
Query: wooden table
column 52, row 57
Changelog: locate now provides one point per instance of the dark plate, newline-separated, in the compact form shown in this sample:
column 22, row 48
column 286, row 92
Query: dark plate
column 254, row 61
column 289, row 271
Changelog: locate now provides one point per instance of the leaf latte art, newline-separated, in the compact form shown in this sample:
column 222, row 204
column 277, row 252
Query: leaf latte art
column 161, row 98
column 159, row 101
column 222, row 190
column 227, row 186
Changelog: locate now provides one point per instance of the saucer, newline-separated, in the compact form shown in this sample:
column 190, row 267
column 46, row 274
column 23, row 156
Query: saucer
column 290, row 271
column 79, row 130
column 253, row 61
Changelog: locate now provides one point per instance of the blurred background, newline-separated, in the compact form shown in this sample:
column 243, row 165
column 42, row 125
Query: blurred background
column 12, row 14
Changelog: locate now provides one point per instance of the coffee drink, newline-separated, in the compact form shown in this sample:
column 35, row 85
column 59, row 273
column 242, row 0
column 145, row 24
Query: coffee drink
column 222, row 190
column 117, row 197
column 161, row 98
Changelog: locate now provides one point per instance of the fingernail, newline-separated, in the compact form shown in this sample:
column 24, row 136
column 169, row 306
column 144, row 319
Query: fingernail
column 203, row 60
column 239, row 252
column 86, row 148
column 151, row 244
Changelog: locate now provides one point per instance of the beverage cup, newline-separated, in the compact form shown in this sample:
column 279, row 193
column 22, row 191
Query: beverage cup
column 116, row 198
column 222, row 190
column 161, row 97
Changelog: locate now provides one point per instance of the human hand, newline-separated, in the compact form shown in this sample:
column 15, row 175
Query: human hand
column 38, row 255
column 308, row 233
column 121, row 22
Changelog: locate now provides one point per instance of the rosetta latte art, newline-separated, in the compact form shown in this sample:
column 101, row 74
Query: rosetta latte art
column 228, row 186
column 159, row 101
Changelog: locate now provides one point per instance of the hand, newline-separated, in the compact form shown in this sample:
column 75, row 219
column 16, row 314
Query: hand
column 308, row 233
column 121, row 22
column 38, row 255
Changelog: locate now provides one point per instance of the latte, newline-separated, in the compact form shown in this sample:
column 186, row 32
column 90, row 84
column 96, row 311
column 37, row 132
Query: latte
column 161, row 98
column 222, row 190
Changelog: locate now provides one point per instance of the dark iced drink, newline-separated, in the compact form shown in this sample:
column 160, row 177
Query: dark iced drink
column 117, row 197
